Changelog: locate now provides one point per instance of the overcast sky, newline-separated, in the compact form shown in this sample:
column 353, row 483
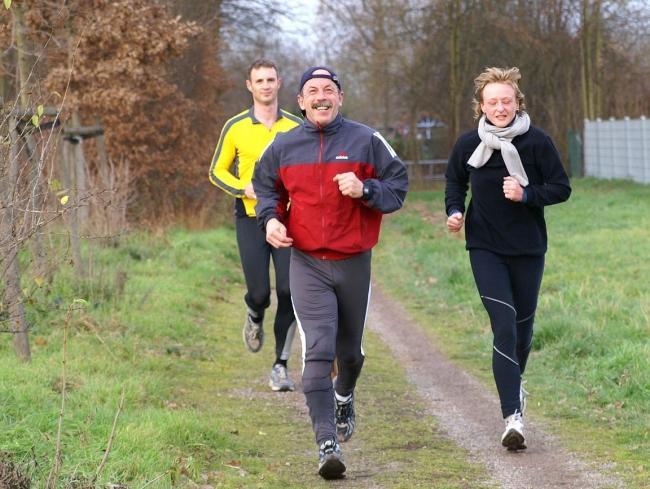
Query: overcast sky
column 303, row 20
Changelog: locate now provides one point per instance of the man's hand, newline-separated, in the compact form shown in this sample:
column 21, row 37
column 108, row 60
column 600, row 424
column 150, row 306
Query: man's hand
column 249, row 192
column 455, row 222
column 512, row 190
column 349, row 184
column 276, row 234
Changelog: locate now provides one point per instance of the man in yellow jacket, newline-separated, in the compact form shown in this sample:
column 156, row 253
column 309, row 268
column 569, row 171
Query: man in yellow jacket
column 242, row 140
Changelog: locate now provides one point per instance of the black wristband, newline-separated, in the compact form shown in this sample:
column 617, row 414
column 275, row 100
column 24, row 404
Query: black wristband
column 367, row 191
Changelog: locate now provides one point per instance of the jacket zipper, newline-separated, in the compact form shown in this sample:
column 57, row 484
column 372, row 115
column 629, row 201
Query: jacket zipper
column 322, row 206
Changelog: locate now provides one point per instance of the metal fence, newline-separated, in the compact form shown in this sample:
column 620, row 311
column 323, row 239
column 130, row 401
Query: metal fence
column 618, row 149
column 426, row 170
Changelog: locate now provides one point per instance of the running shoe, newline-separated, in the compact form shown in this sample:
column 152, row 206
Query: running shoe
column 253, row 333
column 330, row 460
column 345, row 419
column 513, row 436
column 279, row 380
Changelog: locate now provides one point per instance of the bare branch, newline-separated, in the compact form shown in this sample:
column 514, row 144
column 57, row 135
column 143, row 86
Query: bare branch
column 110, row 438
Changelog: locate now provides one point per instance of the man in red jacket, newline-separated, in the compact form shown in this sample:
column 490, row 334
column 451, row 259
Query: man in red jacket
column 322, row 189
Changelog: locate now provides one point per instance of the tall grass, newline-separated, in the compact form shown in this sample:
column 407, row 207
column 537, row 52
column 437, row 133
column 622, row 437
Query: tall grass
column 140, row 340
column 589, row 371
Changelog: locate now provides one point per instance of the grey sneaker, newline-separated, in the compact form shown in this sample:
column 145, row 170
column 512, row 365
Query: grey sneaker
column 345, row 419
column 279, row 379
column 330, row 460
column 253, row 334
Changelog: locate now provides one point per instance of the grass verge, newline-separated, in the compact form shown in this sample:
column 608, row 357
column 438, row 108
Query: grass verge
column 159, row 323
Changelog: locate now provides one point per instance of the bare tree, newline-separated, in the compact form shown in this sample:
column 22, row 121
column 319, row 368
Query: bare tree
column 21, row 192
column 579, row 58
column 591, row 49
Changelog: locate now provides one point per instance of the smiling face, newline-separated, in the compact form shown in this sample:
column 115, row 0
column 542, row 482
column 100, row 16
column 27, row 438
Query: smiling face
column 321, row 100
column 264, row 85
column 499, row 103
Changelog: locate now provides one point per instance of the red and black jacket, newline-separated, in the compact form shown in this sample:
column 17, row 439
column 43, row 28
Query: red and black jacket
column 294, row 183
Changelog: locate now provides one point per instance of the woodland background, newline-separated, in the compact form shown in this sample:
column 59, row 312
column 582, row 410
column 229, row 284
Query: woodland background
column 111, row 109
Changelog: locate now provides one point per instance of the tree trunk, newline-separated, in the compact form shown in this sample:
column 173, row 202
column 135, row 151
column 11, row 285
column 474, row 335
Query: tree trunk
column 34, row 216
column 454, row 69
column 68, row 167
column 35, row 224
column 4, row 83
column 9, row 265
column 584, row 51
column 598, row 57
column 71, row 176
column 21, row 48
column 105, row 188
column 591, row 51
column 80, row 175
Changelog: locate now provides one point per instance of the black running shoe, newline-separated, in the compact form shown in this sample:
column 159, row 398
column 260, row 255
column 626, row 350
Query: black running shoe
column 345, row 419
column 330, row 460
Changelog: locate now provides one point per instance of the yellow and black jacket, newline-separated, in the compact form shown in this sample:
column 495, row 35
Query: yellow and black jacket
column 242, row 140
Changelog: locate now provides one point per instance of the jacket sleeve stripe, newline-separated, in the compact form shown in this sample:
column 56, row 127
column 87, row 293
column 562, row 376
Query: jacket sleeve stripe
column 235, row 192
column 392, row 152
column 290, row 116
column 213, row 175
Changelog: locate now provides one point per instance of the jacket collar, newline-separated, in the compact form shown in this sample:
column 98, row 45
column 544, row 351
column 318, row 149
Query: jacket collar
column 251, row 114
column 330, row 128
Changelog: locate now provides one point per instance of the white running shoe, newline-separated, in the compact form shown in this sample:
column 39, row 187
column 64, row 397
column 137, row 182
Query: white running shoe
column 513, row 436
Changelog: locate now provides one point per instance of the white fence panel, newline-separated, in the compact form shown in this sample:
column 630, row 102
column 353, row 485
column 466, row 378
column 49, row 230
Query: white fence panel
column 618, row 149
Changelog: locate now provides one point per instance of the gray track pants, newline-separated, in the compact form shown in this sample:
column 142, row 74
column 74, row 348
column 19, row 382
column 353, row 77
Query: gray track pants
column 330, row 300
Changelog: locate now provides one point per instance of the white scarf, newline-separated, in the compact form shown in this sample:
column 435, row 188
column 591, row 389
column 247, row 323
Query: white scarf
column 500, row 138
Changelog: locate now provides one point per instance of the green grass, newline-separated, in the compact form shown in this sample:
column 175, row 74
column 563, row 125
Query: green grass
column 197, row 409
column 589, row 372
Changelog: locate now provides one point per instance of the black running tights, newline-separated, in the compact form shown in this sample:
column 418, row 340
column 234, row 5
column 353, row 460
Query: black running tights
column 509, row 287
column 255, row 254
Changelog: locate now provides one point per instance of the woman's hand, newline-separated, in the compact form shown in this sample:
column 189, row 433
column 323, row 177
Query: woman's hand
column 512, row 190
column 455, row 222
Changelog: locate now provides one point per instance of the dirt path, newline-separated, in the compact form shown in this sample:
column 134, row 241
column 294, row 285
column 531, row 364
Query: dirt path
column 470, row 414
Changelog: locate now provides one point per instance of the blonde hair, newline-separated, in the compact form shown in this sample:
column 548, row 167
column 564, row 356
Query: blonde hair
column 496, row 75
